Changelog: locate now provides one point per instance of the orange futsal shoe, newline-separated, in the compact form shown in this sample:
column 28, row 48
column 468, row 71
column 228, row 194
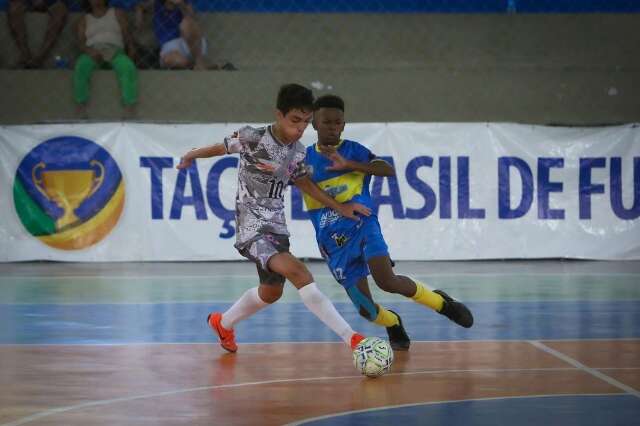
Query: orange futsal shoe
column 355, row 339
column 227, row 337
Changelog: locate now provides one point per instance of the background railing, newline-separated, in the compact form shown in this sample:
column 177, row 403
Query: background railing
column 532, row 61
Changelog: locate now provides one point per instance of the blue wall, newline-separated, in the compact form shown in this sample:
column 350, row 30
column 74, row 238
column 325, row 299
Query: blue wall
column 576, row 6
column 406, row 6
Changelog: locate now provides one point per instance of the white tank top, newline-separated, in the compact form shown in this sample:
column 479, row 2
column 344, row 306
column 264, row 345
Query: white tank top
column 104, row 30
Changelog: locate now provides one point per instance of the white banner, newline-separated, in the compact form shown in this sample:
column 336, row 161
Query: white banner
column 110, row 192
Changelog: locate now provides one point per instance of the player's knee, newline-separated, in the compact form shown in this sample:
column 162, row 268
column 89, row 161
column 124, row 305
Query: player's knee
column 270, row 298
column 270, row 294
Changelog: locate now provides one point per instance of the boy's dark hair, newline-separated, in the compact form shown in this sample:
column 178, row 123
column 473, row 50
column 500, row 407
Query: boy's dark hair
column 329, row 101
column 294, row 96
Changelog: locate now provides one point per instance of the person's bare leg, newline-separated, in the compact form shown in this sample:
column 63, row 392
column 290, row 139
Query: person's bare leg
column 174, row 60
column 191, row 33
column 384, row 276
column 58, row 13
column 16, row 17
column 291, row 268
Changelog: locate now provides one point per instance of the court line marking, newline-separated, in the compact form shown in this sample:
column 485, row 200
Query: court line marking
column 212, row 277
column 280, row 302
column 617, row 368
column 323, row 275
column 453, row 401
column 592, row 371
column 213, row 343
column 290, row 292
column 59, row 410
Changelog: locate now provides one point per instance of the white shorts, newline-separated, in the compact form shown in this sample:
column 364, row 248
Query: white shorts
column 179, row 44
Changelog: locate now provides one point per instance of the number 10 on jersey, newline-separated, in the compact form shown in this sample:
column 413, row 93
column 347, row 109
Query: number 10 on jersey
column 275, row 190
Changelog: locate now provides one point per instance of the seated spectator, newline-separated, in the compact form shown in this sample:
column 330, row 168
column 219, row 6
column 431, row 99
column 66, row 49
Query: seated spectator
column 57, row 10
column 181, row 42
column 102, row 35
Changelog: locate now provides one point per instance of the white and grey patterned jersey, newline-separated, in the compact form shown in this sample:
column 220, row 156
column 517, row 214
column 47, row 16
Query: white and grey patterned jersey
column 266, row 167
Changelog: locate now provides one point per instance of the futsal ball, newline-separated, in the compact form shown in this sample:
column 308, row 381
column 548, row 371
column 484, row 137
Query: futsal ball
column 373, row 357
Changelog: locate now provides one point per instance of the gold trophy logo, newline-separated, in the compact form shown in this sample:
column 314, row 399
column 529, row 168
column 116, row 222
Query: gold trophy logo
column 68, row 188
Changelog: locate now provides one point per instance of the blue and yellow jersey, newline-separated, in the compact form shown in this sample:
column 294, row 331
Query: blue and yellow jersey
column 343, row 185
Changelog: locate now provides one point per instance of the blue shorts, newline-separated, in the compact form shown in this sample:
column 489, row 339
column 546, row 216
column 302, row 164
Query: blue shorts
column 347, row 255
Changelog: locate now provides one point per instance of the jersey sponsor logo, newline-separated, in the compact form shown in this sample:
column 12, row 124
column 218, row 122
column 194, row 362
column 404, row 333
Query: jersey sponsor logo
column 340, row 239
column 328, row 218
column 334, row 191
column 343, row 188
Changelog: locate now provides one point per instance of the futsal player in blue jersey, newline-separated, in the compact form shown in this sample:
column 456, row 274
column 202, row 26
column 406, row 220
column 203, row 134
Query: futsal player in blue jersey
column 355, row 249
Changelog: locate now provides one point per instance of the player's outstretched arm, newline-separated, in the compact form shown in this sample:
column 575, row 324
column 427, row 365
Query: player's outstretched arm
column 376, row 167
column 204, row 152
column 349, row 210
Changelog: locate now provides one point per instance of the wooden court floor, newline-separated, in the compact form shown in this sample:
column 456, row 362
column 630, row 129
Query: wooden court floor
column 554, row 343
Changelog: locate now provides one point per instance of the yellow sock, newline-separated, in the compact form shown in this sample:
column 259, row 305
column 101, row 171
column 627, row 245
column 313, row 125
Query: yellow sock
column 386, row 318
column 426, row 297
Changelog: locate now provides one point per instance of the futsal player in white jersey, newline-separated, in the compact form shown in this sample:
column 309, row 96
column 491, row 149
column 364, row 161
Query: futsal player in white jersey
column 270, row 158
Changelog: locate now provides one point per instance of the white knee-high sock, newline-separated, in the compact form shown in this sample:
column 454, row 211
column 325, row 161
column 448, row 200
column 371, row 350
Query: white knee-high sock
column 322, row 307
column 248, row 304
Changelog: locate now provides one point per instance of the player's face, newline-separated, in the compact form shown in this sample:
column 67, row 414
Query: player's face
column 292, row 124
column 329, row 123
